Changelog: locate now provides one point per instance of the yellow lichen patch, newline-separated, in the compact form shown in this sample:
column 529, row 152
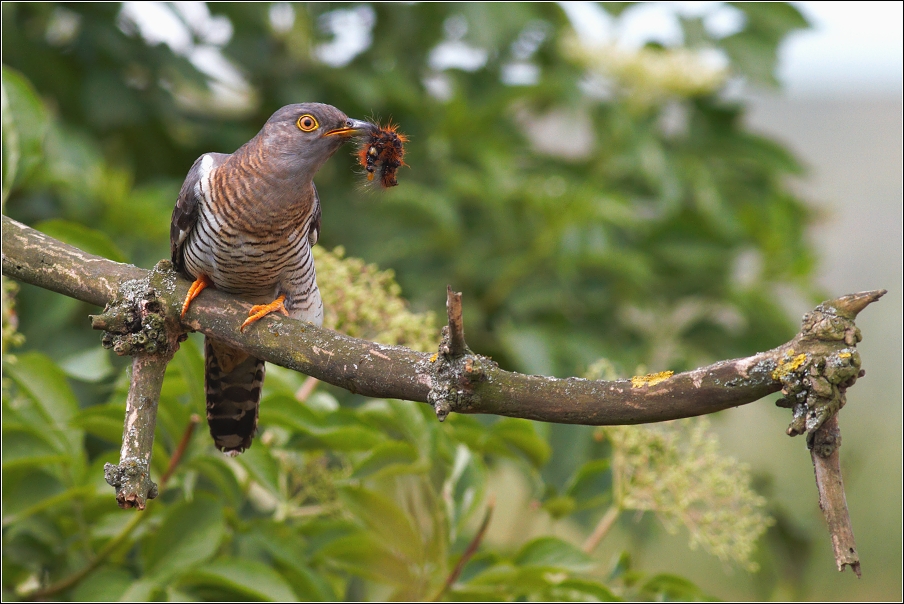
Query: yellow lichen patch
column 638, row 381
column 844, row 355
column 789, row 365
column 433, row 357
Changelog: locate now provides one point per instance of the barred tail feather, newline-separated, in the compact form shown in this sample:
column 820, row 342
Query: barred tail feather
column 232, row 380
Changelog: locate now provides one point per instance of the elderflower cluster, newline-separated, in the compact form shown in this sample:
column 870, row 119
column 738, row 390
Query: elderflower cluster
column 675, row 470
column 651, row 74
column 362, row 301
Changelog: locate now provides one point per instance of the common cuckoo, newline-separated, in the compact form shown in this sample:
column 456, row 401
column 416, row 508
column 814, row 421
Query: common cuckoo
column 245, row 223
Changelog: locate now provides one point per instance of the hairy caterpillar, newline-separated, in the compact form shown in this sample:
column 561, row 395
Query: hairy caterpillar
column 381, row 152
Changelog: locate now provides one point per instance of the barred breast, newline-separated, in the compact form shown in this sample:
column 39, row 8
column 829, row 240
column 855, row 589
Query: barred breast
column 253, row 247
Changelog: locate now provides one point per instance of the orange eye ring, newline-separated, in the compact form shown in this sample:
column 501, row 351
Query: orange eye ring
column 307, row 123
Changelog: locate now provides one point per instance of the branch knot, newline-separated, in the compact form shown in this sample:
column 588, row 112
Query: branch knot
column 455, row 368
column 820, row 365
column 135, row 321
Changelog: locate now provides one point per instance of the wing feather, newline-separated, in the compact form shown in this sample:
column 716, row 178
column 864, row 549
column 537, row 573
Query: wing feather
column 314, row 230
column 188, row 204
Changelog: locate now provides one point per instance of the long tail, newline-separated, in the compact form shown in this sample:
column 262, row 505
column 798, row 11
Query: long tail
column 232, row 380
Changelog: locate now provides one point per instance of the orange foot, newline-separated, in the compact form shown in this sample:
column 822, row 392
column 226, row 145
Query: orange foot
column 259, row 311
column 196, row 288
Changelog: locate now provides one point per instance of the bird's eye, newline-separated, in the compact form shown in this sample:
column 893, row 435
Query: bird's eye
column 307, row 123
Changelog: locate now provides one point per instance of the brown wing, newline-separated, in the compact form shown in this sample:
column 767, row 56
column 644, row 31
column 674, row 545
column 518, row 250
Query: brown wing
column 185, row 214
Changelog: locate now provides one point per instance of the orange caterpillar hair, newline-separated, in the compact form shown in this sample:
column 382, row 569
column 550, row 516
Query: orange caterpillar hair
column 382, row 150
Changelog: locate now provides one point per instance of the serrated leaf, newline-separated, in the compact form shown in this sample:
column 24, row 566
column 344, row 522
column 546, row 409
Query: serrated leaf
column 189, row 535
column 550, row 552
column 248, row 579
column 83, row 237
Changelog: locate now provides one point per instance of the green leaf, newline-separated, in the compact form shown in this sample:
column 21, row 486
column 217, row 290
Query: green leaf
column 102, row 421
column 85, row 238
column 106, row 584
column 45, row 384
column 25, row 489
column 591, row 484
column 143, row 590
column 392, row 456
column 190, row 362
column 560, row 506
column 283, row 544
column 190, row 534
column 388, row 522
column 90, row 365
column 24, row 447
column 24, row 125
column 550, row 552
column 581, row 590
column 215, row 469
column 667, row 587
column 520, row 435
column 366, row 556
column 346, row 438
column 247, row 579
column 263, row 467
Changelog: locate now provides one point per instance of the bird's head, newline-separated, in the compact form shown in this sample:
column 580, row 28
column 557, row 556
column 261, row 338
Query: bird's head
column 301, row 137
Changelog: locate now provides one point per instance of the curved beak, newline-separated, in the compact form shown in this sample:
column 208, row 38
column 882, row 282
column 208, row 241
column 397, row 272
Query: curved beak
column 351, row 128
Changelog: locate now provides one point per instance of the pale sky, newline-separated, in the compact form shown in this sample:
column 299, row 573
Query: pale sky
column 854, row 48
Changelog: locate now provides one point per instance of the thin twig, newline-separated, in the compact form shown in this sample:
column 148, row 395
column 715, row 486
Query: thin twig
column 457, row 346
column 307, row 388
column 469, row 551
column 180, row 449
column 602, row 529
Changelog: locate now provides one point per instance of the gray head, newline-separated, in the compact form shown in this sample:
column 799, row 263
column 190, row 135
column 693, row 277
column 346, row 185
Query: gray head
column 298, row 139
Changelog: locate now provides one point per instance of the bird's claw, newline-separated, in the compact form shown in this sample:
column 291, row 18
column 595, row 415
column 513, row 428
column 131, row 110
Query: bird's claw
column 259, row 311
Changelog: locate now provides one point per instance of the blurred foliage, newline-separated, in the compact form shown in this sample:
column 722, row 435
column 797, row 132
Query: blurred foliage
column 590, row 201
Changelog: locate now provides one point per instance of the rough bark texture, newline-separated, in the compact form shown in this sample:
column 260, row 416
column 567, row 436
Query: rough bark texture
column 813, row 370
column 131, row 477
column 382, row 371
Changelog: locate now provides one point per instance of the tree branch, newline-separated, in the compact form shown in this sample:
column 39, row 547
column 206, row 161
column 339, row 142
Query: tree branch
column 832, row 501
column 813, row 370
column 384, row 371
